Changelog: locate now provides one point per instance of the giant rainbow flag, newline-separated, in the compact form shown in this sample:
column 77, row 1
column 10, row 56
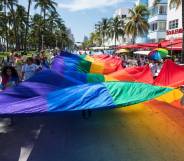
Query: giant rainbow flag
column 75, row 83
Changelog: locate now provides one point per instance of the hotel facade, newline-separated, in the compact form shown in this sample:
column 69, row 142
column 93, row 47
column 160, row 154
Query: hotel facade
column 165, row 21
column 157, row 20
column 174, row 28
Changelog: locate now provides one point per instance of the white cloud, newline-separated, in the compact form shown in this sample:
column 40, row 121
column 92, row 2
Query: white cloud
column 78, row 5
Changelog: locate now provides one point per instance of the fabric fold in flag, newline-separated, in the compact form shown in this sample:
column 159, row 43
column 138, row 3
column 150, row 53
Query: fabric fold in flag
column 87, row 96
column 134, row 74
column 69, row 62
column 80, row 83
column 171, row 75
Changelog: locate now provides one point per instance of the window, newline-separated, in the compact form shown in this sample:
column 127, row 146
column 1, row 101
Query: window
column 158, row 10
column 173, row 24
column 154, row 26
column 158, row 26
column 123, row 16
column 162, row 26
column 162, row 10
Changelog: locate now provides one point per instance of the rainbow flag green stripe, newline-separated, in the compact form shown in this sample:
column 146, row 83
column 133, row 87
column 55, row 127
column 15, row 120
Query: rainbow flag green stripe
column 105, row 95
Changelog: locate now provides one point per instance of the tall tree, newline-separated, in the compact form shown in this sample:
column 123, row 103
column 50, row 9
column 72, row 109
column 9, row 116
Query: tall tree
column 45, row 5
column 27, row 23
column 4, row 21
column 11, row 4
column 137, row 24
column 96, row 39
column 21, row 15
column 116, row 29
column 37, row 29
column 19, row 28
column 104, row 29
column 54, row 20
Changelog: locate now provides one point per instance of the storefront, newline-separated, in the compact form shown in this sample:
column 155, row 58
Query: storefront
column 174, row 23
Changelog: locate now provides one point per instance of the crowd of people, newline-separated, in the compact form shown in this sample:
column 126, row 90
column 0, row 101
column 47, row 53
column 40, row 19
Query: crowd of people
column 155, row 66
column 127, row 61
column 16, row 68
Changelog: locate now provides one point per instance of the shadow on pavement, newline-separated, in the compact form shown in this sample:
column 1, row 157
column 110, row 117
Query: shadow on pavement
column 114, row 135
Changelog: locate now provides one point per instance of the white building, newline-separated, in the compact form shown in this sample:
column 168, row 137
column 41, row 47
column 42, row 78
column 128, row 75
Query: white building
column 121, row 13
column 157, row 20
column 174, row 22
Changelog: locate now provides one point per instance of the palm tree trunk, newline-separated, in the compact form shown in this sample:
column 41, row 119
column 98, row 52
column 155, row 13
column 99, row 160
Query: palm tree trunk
column 182, row 52
column 115, row 41
column 102, row 40
column 6, row 24
column 14, row 25
column 133, row 40
column 27, row 24
column 44, row 26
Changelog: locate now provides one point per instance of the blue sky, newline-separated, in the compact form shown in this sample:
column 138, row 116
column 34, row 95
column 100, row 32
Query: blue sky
column 81, row 15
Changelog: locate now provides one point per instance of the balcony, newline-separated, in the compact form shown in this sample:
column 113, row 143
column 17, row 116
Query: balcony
column 159, row 34
column 162, row 17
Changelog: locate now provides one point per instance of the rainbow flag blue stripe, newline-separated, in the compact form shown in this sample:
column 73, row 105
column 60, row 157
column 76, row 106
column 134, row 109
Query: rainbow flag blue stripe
column 105, row 95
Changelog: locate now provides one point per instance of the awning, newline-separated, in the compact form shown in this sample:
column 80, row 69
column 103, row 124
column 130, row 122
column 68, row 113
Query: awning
column 129, row 46
column 122, row 51
column 175, row 47
column 175, row 44
column 142, row 52
column 139, row 46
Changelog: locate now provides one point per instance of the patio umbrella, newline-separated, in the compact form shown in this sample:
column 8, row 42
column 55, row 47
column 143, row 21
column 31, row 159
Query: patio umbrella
column 122, row 51
column 158, row 54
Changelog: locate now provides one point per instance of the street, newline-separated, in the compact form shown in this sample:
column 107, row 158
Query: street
column 129, row 134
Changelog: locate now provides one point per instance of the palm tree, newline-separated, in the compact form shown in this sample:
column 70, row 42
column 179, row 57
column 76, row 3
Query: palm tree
column 21, row 17
column 3, row 26
column 27, row 23
column 54, row 20
column 45, row 5
column 18, row 28
column 11, row 4
column 104, row 29
column 4, row 20
column 137, row 24
column 55, row 23
column 116, row 29
column 96, row 39
column 37, row 29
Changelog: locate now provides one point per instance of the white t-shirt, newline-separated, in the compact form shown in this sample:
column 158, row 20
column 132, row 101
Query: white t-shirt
column 29, row 70
column 154, row 68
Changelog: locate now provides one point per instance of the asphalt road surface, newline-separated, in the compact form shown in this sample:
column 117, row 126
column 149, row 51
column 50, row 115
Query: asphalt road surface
column 133, row 134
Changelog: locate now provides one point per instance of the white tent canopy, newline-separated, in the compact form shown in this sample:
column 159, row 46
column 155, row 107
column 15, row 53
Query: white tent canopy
column 99, row 48
column 142, row 52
